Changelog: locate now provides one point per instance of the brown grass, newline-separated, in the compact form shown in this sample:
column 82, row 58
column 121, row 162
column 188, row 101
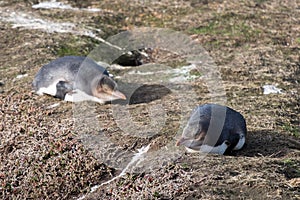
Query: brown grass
column 253, row 43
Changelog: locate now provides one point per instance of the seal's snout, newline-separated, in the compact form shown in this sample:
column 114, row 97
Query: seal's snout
column 119, row 95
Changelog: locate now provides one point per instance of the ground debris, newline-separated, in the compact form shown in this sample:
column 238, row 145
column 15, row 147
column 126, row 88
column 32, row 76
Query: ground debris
column 253, row 43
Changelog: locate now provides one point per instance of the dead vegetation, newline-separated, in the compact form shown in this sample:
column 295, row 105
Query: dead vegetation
column 253, row 43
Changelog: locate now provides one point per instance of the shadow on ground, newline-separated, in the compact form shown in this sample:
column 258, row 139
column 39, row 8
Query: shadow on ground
column 142, row 94
column 267, row 143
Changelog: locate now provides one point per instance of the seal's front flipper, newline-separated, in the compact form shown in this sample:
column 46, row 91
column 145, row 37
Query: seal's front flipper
column 62, row 88
column 232, row 141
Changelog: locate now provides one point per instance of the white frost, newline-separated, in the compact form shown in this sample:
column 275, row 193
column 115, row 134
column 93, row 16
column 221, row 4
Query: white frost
column 59, row 5
column 53, row 105
column 21, row 76
column 269, row 89
column 51, row 5
column 177, row 75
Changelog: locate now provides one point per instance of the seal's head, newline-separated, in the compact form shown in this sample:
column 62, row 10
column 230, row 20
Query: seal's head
column 105, row 88
column 195, row 131
column 193, row 135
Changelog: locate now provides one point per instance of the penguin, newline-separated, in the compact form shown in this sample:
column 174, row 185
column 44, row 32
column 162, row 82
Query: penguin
column 214, row 128
column 76, row 78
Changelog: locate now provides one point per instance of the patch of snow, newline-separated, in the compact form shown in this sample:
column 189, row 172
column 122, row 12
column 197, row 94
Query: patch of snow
column 52, row 5
column 59, row 5
column 53, row 105
column 181, row 74
column 92, row 9
column 23, row 20
column 118, row 67
column 29, row 21
column 271, row 89
column 143, row 73
column 21, row 76
column 118, row 77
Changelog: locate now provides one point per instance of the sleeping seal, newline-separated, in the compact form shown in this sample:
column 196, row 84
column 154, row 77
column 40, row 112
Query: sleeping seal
column 214, row 128
column 76, row 78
